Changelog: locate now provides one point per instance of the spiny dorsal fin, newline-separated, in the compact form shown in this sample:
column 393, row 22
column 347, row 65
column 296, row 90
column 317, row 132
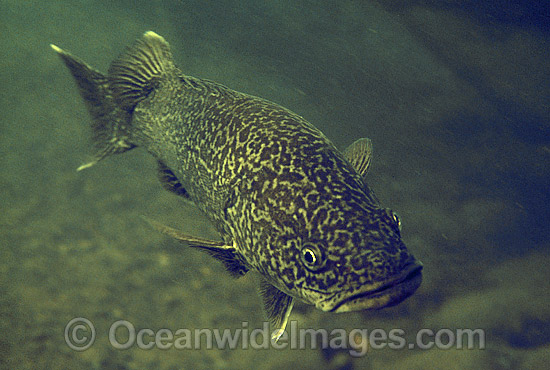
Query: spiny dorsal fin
column 136, row 72
column 359, row 155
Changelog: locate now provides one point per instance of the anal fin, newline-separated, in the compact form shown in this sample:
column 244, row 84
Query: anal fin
column 278, row 306
column 169, row 181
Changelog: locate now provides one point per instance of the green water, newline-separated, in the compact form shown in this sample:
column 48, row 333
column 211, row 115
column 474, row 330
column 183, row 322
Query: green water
column 455, row 97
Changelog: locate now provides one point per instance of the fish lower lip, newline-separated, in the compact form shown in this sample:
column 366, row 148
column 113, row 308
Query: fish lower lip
column 382, row 296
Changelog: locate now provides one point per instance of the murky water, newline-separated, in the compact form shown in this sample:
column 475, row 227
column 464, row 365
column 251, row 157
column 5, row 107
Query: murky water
column 454, row 97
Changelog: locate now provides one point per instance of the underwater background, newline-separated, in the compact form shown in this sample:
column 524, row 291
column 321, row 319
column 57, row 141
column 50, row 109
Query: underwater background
column 455, row 96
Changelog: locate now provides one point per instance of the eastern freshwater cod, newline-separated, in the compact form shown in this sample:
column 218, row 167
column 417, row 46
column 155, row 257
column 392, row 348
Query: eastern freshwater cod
column 285, row 201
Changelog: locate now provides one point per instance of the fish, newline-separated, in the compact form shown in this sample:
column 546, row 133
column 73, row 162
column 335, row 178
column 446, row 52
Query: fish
column 285, row 201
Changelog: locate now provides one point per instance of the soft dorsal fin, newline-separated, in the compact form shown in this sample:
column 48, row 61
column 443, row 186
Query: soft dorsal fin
column 277, row 305
column 137, row 71
column 359, row 155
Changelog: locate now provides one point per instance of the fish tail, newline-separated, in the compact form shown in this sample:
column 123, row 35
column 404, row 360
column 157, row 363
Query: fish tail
column 112, row 98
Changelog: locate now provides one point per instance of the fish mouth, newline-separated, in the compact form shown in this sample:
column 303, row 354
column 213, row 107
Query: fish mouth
column 388, row 294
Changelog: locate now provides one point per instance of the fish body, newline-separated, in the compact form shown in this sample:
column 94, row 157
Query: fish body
column 285, row 201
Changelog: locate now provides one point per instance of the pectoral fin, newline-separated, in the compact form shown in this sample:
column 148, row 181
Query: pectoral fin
column 278, row 306
column 227, row 254
column 359, row 155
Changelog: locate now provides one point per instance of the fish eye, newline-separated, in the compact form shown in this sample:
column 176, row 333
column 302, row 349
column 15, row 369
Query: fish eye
column 311, row 257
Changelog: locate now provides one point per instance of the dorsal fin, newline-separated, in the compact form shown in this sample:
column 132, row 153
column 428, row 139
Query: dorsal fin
column 359, row 155
column 137, row 71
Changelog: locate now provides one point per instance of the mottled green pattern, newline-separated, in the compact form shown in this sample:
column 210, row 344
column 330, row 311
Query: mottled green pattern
column 286, row 202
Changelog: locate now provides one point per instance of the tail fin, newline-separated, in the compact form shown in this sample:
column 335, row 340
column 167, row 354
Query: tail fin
column 111, row 99
column 108, row 119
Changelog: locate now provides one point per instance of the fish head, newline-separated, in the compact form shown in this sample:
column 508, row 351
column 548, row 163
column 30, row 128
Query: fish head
column 364, row 265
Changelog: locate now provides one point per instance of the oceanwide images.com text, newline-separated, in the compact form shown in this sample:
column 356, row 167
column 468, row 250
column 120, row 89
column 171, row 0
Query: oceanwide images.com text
column 80, row 334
